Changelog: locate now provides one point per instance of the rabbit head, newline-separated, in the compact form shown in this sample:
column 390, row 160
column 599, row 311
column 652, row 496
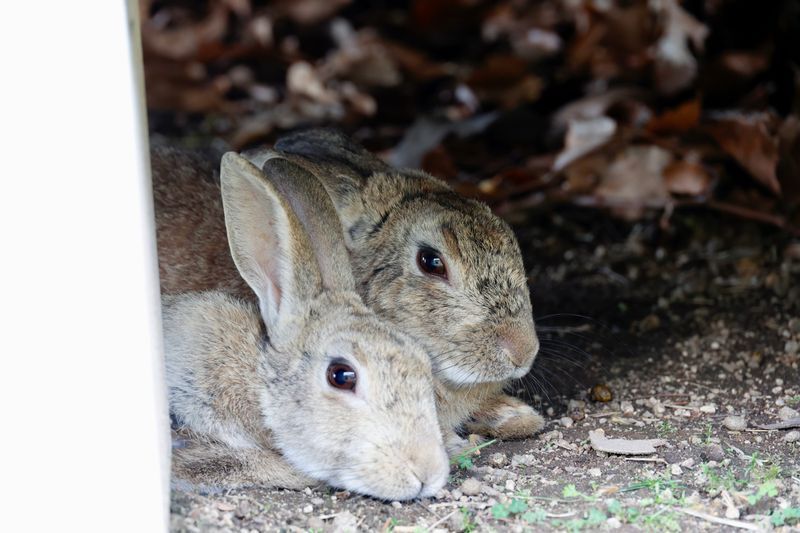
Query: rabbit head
column 345, row 398
column 440, row 267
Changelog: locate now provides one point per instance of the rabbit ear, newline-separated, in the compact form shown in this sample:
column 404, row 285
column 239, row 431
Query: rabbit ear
column 267, row 242
column 314, row 209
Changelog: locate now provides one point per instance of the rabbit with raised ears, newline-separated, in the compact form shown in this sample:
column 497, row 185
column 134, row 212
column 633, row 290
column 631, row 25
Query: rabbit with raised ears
column 309, row 384
column 437, row 266
column 440, row 267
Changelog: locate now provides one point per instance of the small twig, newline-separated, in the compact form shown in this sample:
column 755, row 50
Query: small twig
column 566, row 446
column 478, row 505
column 432, row 526
column 607, row 413
column 562, row 515
column 675, row 406
column 646, row 460
column 723, row 521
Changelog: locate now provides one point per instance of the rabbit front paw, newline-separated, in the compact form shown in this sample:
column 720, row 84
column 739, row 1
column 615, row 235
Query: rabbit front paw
column 505, row 417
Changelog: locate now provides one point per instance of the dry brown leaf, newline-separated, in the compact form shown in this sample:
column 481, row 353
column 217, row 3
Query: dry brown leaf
column 676, row 120
column 303, row 79
column 747, row 138
column 311, row 11
column 675, row 66
column 635, row 180
column 601, row 443
column 505, row 80
column 185, row 41
column 687, row 177
column 360, row 57
column 589, row 107
column 584, row 136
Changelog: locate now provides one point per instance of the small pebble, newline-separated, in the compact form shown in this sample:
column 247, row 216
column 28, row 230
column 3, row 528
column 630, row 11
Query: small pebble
column 345, row 521
column 456, row 522
column 471, row 486
column 732, row 513
column 317, row 501
column 626, row 407
column 614, row 523
column 595, row 472
column 489, row 491
column 713, row 452
column 243, row 510
column 735, row 423
column 676, row 470
column 308, row 508
column 792, row 436
column 602, row 393
column 791, row 347
column 524, row 460
column 498, row 460
column 566, row 421
column 315, row 523
column 397, row 505
column 510, row 485
column 688, row 463
column 709, row 409
column 786, row 413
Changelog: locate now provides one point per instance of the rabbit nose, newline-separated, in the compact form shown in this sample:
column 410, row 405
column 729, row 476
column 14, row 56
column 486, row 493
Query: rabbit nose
column 431, row 467
column 519, row 342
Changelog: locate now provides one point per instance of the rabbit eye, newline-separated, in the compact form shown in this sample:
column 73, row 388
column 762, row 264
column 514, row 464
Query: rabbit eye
column 341, row 376
column 431, row 263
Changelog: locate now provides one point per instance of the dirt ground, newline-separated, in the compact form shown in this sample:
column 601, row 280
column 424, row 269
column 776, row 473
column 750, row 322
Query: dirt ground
column 694, row 330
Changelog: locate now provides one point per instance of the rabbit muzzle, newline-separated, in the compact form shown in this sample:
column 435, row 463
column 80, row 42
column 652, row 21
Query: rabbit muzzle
column 519, row 344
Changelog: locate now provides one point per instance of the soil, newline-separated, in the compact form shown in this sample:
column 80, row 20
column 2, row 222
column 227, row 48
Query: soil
column 684, row 326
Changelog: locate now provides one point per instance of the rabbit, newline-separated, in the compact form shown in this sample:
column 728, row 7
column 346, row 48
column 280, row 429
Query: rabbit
column 442, row 268
column 307, row 384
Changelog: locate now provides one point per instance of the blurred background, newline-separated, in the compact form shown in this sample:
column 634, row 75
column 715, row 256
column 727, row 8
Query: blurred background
column 637, row 107
column 647, row 152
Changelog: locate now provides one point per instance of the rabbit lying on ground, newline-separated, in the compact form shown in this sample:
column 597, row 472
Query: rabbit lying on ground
column 323, row 389
column 437, row 266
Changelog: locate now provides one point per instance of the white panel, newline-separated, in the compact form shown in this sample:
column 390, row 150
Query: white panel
column 84, row 427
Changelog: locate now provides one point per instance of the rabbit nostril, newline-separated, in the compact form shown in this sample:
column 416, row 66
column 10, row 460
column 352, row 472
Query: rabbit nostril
column 519, row 343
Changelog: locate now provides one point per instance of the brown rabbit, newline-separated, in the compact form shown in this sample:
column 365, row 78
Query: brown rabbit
column 436, row 265
column 310, row 385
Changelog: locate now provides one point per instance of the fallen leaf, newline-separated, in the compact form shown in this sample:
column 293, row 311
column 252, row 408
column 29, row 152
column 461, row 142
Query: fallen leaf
column 310, row 12
column 748, row 140
column 589, row 107
column 635, row 180
column 303, row 79
column 360, row 57
column 675, row 67
column 687, row 177
column 584, row 136
column 426, row 133
column 676, row 120
column 623, row 446
column 185, row 41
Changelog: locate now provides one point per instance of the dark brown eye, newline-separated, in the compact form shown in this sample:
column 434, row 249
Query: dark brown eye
column 341, row 376
column 431, row 263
